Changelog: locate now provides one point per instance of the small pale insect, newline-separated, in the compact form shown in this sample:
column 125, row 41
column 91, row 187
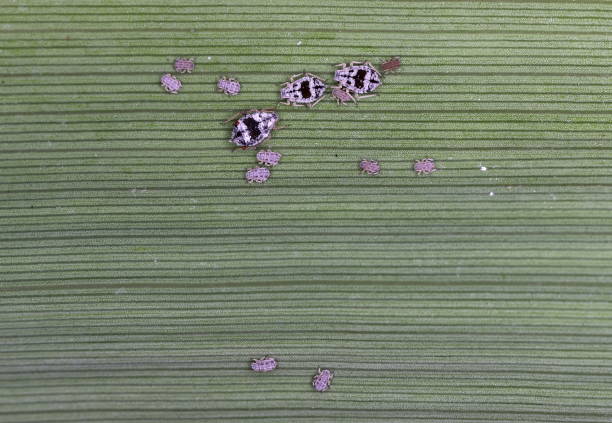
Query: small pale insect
column 341, row 95
column 358, row 77
column 171, row 84
column 268, row 158
column 253, row 128
column 229, row 86
column 391, row 65
column 265, row 364
column 370, row 167
column 257, row 174
column 308, row 90
column 322, row 380
column 425, row 166
column 182, row 65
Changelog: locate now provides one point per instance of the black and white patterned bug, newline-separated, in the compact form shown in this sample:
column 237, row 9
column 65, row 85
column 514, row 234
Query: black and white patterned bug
column 253, row 128
column 308, row 90
column 358, row 78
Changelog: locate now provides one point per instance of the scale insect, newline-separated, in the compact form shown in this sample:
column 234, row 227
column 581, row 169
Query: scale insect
column 183, row 65
column 322, row 380
column 303, row 89
column 229, row 86
column 371, row 167
column 257, row 174
column 268, row 158
column 425, row 166
column 253, row 128
column 358, row 78
column 264, row 364
column 171, row 84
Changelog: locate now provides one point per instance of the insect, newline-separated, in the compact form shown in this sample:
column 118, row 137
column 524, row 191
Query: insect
column 184, row 65
column 257, row 174
column 358, row 78
column 425, row 166
column 341, row 95
column 308, row 90
column 322, row 380
column 229, row 86
column 253, row 128
column 370, row 167
column 265, row 364
column 171, row 84
column 268, row 158
column 391, row 65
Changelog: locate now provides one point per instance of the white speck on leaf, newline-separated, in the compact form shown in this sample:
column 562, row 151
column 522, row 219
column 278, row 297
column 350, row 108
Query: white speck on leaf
column 483, row 168
column 491, row 194
column 209, row 58
column 299, row 43
column 121, row 291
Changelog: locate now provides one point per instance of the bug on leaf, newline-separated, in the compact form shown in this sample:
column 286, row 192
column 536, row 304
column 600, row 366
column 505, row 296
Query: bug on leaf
column 303, row 89
column 341, row 95
column 257, row 174
column 171, row 84
column 229, row 86
column 268, row 158
column 264, row 364
column 182, row 65
column 370, row 167
column 253, row 128
column 425, row 166
column 322, row 380
column 391, row 65
column 358, row 78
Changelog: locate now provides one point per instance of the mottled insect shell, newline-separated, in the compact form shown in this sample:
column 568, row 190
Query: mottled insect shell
column 229, row 86
column 370, row 167
column 425, row 166
column 183, row 65
column 322, row 380
column 268, row 158
column 391, row 65
column 264, row 364
column 257, row 174
column 360, row 78
column 253, row 128
column 308, row 89
column 170, row 83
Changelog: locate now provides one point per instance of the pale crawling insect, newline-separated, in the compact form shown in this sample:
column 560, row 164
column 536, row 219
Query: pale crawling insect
column 341, row 95
column 183, row 65
column 253, row 128
column 371, row 167
column 268, row 158
column 425, row 166
column 257, row 174
column 391, row 65
column 303, row 89
column 171, row 84
column 322, row 380
column 229, row 86
column 358, row 78
column 264, row 364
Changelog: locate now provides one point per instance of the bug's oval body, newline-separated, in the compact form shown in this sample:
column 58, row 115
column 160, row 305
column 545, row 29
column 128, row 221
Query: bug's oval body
column 257, row 174
column 342, row 96
column 391, row 65
column 358, row 78
column 268, row 158
column 171, row 84
column 265, row 364
column 182, row 65
column 322, row 380
column 425, row 166
column 253, row 128
column 371, row 167
column 308, row 89
column 229, row 86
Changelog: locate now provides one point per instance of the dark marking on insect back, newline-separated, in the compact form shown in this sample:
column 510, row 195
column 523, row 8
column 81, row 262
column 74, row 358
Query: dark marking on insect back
column 305, row 89
column 253, row 127
column 360, row 77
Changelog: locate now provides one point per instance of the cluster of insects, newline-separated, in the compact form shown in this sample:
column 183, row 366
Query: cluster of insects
column 421, row 167
column 321, row 381
column 173, row 85
column 261, row 174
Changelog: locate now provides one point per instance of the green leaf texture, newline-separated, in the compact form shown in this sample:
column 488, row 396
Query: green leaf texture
column 141, row 274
